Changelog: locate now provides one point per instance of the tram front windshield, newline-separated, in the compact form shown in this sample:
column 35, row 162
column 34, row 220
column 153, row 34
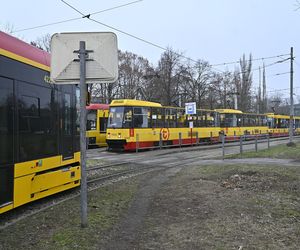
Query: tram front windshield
column 115, row 117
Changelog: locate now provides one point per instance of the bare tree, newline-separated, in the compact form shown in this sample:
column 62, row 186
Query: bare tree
column 243, row 81
column 170, row 70
column 42, row 42
column 7, row 28
column 198, row 77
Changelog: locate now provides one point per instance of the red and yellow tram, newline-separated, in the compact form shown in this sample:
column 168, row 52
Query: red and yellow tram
column 39, row 132
column 139, row 124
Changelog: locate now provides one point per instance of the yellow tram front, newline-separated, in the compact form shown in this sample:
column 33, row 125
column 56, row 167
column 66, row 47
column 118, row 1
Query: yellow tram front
column 128, row 122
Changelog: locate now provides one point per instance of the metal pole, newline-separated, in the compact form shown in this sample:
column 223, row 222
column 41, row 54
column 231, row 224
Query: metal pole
column 180, row 140
column 83, row 186
column 137, row 143
column 223, row 147
column 197, row 138
column 291, row 100
column 160, row 140
column 241, row 144
column 268, row 140
column 256, row 143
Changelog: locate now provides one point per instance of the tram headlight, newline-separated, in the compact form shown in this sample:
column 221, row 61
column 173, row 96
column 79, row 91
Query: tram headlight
column 119, row 135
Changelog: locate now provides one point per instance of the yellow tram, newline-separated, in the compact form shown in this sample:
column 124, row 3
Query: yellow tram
column 97, row 116
column 279, row 124
column 140, row 124
column 234, row 123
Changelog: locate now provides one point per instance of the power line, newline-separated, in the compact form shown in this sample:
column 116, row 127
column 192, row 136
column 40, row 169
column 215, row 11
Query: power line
column 77, row 18
column 266, row 66
column 276, row 90
column 45, row 25
column 88, row 16
column 130, row 35
column 256, row 59
column 73, row 8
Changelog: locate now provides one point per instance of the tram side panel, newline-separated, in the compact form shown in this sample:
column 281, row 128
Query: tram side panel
column 33, row 129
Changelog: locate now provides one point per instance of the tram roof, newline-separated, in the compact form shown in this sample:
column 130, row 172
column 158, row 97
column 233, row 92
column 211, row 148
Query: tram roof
column 97, row 106
column 229, row 111
column 18, row 50
column 130, row 102
column 278, row 116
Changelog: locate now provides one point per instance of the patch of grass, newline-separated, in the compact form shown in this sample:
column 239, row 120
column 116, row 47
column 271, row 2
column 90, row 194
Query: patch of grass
column 278, row 152
column 59, row 227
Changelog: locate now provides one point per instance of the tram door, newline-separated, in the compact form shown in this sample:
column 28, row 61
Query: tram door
column 67, row 126
column 6, row 141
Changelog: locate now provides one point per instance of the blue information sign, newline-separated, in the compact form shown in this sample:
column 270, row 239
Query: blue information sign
column 190, row 108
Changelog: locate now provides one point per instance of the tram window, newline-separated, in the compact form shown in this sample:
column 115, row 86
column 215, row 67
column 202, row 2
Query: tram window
column 210, row 120
column 115, row 117
column 202, row 119
column 239, row 121
column 127, row 121
column 270, row 122
column 77, row 120
column 222, row 120
column 30, row 106
column 103, row 124
column 37, row 125
column 180, row 118
column 140, row 117
column 67, row 115
column 6, row 122
column 228, row 120
column 91, row 120
column 171, row 118
column 157, row 118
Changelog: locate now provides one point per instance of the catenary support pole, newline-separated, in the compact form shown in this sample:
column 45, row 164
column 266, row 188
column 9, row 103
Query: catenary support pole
column 291, row 99
column 83, row 187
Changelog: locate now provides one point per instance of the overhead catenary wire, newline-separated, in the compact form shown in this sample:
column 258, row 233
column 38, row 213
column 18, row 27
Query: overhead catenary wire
column 165, row 49
column 74, row 19
column 252, row 60
column 130, row 35
column 88, row 16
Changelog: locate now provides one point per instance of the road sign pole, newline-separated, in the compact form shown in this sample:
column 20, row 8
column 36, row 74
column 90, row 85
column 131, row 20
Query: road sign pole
column 83, row 187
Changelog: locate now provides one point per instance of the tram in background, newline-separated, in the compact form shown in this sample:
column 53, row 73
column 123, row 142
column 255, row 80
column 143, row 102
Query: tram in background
column 97, row 117
column 279, row 124
column 234, row 123
column 140, row 124
column 39, row 127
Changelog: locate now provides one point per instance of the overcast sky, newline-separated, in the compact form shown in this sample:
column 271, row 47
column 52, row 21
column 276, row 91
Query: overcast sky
column 214, row 30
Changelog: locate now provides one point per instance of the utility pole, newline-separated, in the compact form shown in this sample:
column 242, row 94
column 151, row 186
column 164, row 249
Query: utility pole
column 291, row 99
column 83, row 187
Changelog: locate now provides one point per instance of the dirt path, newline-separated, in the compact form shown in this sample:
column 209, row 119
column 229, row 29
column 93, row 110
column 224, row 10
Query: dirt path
column 124, row 236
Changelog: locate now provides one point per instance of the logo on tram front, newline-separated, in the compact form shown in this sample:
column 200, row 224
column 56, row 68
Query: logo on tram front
column 165, row 133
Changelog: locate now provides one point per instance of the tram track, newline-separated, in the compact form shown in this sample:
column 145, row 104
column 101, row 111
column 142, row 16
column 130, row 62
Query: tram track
column 31, row 209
